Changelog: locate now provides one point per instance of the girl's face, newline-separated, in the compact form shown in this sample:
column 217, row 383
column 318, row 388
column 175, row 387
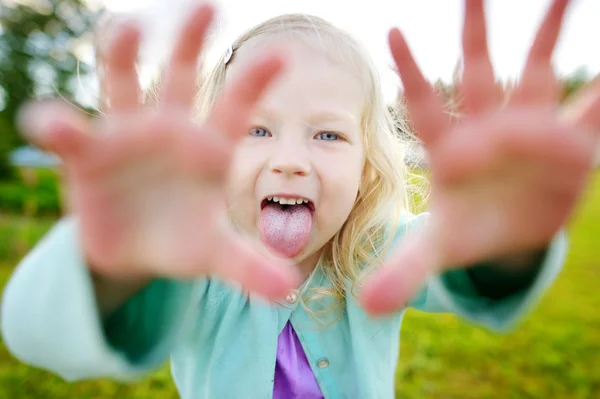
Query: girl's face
column 305, row 144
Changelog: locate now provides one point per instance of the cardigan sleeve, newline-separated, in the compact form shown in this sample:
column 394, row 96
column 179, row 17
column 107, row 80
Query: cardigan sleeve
column 50, row 318
column 457, row 291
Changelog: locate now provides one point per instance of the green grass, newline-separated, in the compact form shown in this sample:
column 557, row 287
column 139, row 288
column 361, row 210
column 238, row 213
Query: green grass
column 554, row 354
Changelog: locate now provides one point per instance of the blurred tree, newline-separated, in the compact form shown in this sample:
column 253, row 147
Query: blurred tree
column 40, row 45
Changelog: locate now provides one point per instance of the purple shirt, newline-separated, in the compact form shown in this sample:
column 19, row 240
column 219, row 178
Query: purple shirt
column 293, row 375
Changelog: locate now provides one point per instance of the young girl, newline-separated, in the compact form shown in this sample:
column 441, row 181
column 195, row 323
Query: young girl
column 294, row 152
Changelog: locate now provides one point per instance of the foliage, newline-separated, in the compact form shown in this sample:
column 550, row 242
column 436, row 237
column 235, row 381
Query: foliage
column 41, row 197
column 18, row 235
column 552, row 355
column 39, row 43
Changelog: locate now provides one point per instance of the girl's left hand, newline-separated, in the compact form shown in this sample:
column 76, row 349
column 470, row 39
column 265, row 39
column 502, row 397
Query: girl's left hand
column 505, row 177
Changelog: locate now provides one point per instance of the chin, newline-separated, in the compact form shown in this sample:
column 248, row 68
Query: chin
column 308, row 258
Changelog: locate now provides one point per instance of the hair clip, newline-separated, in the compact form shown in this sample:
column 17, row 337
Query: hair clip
column 229, row 55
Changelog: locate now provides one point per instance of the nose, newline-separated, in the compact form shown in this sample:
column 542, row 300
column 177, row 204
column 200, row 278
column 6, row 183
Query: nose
column 291, row 158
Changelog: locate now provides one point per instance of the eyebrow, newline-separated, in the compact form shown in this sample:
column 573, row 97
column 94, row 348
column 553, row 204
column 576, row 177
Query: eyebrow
column 333, row 115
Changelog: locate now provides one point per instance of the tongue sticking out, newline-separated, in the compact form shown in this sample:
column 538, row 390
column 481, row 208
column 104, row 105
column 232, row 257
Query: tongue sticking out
column 285, row 229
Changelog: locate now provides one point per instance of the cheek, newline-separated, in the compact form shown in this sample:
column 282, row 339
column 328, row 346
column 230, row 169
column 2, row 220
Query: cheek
column 241, row 183
column 342, row 180
column 234, row 178
column 245, row 167
column 352, row 184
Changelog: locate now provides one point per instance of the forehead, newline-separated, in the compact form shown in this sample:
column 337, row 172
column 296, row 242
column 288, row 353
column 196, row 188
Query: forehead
column 313, row 78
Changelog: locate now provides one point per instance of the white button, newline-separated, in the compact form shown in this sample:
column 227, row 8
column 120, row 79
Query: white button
column 292, row 297
column 323, row 363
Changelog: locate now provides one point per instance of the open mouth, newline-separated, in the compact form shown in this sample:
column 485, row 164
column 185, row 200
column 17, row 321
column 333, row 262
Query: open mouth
column 286, row 223
column 288, row 202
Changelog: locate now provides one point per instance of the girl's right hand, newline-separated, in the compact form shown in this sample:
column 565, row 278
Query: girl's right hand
column 147, row 185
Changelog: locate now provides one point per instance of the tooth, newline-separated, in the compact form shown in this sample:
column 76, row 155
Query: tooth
column 286, row 201
column 306, row 201
column 299, row 201
column 276, row 199
column 270, row 198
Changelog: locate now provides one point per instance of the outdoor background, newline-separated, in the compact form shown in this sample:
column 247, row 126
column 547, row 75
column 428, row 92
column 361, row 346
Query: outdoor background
column 554, row 354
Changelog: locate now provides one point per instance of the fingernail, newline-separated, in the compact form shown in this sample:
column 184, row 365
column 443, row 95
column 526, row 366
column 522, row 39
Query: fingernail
column 113, row 30
column 34, row 118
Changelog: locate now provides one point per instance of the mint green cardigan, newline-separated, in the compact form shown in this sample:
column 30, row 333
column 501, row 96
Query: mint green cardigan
column 222, row 342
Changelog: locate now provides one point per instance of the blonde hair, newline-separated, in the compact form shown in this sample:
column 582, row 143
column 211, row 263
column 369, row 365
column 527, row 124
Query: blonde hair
column 384, row 190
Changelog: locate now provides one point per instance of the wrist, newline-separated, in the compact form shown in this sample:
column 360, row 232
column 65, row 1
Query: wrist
column 507, row 276
column 112, row 292
column 519, row 262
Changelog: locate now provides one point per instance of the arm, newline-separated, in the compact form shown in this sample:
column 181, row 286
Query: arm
column 506, row 277
column 51, row 317
column 489, row 294
column 111, row 294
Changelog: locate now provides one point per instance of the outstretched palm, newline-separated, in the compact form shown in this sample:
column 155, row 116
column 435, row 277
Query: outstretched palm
column 505, row 176
column 147, row 187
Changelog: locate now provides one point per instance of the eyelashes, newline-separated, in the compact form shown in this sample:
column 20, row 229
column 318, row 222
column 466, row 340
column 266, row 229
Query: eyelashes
column 324, row 135
column 259, row 132
column 328, row 136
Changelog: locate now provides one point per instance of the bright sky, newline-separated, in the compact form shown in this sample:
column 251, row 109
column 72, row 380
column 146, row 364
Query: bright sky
column 432, row 27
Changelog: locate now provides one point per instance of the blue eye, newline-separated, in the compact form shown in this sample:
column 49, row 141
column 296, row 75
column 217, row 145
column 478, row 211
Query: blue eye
column 328, row 136
column 259, row 132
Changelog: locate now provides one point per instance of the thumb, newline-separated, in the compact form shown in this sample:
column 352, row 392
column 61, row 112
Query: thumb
column 400, row 279
column 584, row 108
column 240, row 262
column 55, row 127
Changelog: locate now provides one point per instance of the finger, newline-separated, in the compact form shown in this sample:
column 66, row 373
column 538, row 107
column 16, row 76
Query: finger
column 539, row 83
column 548, row 33
column 181, row 76
column 401, row 278
column 425, row 107
column 479, row 91
column 231, row 113
column 143, row 139
column 120, row 82
column 584, row 109
column 195, row 151
column 237, row 261
column 55, row 127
